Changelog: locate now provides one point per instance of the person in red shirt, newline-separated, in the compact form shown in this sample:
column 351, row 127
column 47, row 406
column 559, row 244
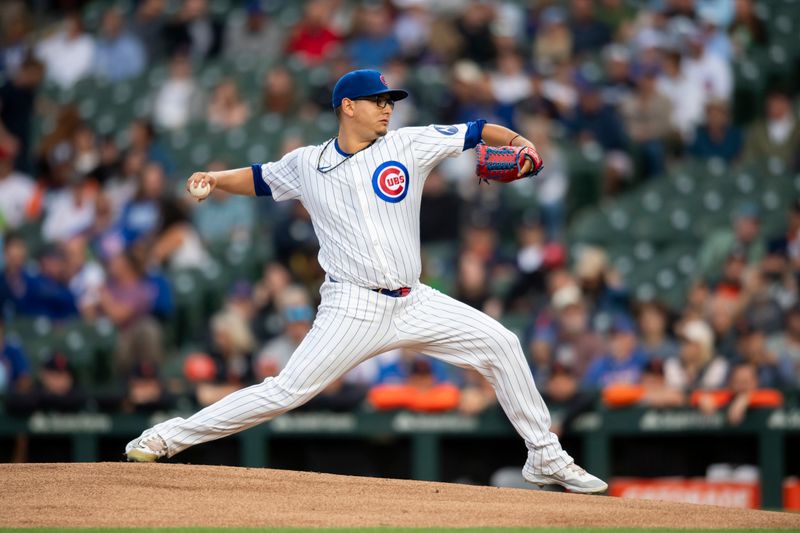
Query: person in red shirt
column 312, row 39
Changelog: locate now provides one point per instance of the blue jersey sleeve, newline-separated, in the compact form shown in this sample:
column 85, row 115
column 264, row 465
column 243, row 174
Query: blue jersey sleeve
column 474, row 132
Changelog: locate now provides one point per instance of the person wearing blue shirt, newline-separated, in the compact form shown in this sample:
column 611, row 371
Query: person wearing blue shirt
column 15, row 372
column 119, row 55
column 625, row 361
column 28, row 292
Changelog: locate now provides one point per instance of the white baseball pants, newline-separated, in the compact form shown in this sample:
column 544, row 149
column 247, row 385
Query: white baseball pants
column 354, row 324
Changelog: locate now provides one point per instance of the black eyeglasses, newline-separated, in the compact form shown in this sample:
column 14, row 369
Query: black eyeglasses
column 381, row 102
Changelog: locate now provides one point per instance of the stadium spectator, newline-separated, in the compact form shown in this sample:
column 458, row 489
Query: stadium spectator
column 594, row 122
column 686, row 97
column 588, row 32
column 312, row 39
column 119, row 55
column 743, row 382
column 772, row 371
column 697, row 366
column 477, row 393
column 474, row 27
column 440, row 212
column 252, row 34
column 267, row 322
column 16, row 43
column 553, row 42
column 226, row 109
column 647, row 119
column 15, row 371
column 17, row 104
column 562, row 335
column 743, row 238
column 705, row 68
column 142, row 138
column 653, row 320
column 296, row 243
column 551, row 185
column 279, row 93
column 373, row 43
column 746, row 31
column 55, row 152
column 763, row 300
column 50, row 289
column 67, row 54
column 87, row 151
column 718, row 137
column 146, row 392
column 713, row 25
column 16, row 193
column 70, row 211
column 623, row 363
column 786, row 344
column 176, row 244
column 777, row 136
column 413, row 28
column 178, row 101
column 148, row 25
column 33, row 292
column 128, row 300
column 231, row 349
column 296, row 315
column 656, row 391
column 194, row 31
column 618, row 82
column 509, row 82
column 85, row 275
column 601, row 284
column 56, row 389
column 531, row 265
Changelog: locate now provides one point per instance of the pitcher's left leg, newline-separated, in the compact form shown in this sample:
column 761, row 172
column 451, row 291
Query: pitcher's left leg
column 461, row 335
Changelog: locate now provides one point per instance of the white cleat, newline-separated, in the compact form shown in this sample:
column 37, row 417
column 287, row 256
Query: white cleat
column 146, row 448
column 572, row 477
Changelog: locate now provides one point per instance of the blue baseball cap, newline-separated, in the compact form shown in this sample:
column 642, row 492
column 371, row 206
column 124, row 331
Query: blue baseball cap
column 358, row 83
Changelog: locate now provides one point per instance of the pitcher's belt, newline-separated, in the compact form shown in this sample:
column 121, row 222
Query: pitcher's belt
column 394, row 293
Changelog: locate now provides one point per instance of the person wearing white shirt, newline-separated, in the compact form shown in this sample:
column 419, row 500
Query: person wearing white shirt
column 68, row 55
column 16, row 191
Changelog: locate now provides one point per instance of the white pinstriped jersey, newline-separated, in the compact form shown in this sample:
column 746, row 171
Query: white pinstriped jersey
column 366, row 211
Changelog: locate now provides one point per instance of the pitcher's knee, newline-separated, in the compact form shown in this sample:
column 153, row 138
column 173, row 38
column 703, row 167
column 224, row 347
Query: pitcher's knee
column 290, row 395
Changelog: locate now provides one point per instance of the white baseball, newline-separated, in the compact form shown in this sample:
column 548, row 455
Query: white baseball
column 200, row 190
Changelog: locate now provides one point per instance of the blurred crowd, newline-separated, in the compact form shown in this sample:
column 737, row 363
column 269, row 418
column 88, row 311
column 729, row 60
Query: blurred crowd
column 96, row 226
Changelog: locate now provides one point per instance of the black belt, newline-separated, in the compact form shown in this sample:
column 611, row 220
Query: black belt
column 394, row 293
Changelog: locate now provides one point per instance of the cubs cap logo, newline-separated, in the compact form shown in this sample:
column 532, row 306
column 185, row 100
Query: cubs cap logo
column 390, row 181
column 383, row 80
column 445, row 130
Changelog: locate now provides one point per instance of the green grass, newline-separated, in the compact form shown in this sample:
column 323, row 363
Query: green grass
column 383, row 530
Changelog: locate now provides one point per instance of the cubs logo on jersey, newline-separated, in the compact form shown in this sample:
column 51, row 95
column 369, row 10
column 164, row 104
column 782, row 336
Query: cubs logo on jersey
column 390, row 181
column 445, row 130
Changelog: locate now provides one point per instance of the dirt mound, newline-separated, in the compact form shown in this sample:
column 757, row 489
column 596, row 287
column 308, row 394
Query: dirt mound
column 157, row 495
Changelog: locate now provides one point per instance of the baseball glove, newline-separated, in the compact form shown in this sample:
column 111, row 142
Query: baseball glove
column 504, row 163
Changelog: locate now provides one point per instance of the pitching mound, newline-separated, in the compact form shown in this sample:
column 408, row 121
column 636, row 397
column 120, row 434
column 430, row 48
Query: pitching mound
column 157, row 495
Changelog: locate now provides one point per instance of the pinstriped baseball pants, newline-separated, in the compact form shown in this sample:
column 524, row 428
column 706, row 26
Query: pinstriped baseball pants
column 354, row 324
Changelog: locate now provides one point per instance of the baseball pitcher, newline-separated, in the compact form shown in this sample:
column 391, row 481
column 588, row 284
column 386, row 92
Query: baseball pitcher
column 362, row 190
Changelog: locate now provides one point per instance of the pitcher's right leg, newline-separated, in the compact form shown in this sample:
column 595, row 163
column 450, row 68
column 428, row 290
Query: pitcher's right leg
column 352, row 326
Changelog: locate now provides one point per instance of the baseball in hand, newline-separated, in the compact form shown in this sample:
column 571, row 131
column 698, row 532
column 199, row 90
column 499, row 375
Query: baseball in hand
column 200, row 190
